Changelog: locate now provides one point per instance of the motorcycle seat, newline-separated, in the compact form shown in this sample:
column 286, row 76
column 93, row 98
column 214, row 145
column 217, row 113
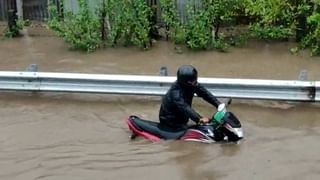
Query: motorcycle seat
column 155, row 128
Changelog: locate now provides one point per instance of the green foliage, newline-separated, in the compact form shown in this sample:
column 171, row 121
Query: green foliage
column 312, row 40
column 121, row 22
column 202, row 29
column 80, row 29
column 174, row 28
column 179, row 35
column 14, row 30
column 221, row 11
column 129, row 22
column 271, row 32
column 141, row 28
column 281, row 19
column 199, row 32
column 274, row 19
column 169, row 12
column 238, row 36
column 220, row 43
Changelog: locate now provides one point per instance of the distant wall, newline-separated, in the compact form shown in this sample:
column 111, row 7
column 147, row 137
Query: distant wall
column 38, row 9
column 4, row 6
column 35, row 9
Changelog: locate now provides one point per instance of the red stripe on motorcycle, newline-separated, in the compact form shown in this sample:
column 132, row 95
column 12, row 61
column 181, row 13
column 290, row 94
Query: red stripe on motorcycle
column 137, row 132
column 192, row 134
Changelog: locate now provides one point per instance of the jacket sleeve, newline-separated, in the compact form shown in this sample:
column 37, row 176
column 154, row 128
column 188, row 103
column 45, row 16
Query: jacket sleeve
column 185, row 108
column 201, row 91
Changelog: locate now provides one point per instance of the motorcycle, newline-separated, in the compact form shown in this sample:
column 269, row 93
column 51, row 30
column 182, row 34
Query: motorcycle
column 224, row 126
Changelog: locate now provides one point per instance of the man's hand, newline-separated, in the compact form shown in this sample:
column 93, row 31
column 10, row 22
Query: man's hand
column 204, row 120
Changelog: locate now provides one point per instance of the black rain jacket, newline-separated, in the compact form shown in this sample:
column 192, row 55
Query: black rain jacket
column 176, row 110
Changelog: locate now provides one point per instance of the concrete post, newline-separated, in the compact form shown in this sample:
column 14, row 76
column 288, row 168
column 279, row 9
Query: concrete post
column 19, row 8
column 12, row 21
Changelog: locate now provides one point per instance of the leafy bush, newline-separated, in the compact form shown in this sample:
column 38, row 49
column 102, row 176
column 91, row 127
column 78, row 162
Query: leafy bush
column 80, row 29
column 271, row 32
column 201, row 31
column 174, row 28
column 274, row 19
column 312, row 40
column 129, row 22
column 13, row 31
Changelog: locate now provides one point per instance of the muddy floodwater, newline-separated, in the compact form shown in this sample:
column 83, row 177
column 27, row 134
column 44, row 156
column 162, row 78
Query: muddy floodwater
column 65, row 136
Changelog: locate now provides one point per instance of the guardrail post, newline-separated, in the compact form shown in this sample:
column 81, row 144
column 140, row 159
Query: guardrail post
column 303, row 75
column 163, row 71
column 32, row 68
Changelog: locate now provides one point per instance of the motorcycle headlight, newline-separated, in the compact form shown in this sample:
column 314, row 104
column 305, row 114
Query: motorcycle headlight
column 236, row 131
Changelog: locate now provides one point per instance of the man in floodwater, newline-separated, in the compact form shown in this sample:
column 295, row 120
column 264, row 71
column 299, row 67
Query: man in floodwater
column 176, row 110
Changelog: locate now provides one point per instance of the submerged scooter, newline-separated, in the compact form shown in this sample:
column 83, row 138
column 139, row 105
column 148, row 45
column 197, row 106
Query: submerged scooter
column 224, row 126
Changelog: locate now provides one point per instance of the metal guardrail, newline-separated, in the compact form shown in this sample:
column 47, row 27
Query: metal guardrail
column 157, row 85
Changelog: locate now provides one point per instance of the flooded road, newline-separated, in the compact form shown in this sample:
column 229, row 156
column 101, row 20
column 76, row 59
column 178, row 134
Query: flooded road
column 54, row 136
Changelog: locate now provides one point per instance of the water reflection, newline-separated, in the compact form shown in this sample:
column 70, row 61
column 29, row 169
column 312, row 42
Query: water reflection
column 200, row 161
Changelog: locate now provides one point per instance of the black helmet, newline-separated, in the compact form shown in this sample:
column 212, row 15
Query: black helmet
column 187, row 74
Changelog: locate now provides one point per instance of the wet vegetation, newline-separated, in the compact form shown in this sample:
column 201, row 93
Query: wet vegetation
column 209, row 24
column 81, row 29
column 15, row 25
column 114, row 22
